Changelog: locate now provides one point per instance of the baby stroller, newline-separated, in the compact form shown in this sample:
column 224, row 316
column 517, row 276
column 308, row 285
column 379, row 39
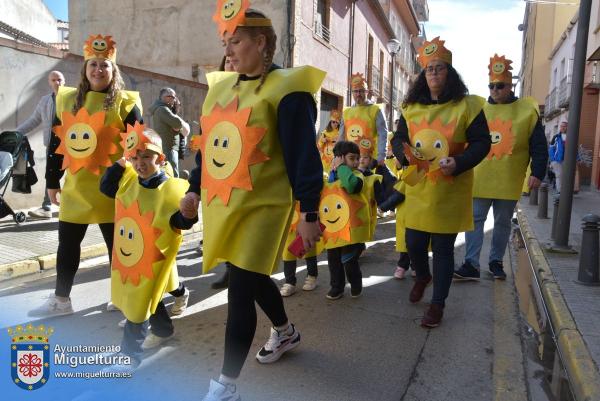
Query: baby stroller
column 16, row 160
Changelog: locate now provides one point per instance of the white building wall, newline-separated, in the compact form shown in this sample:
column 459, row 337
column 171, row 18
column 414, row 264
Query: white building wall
column 31, row 17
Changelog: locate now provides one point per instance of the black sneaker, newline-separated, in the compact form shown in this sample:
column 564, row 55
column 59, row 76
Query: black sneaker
column 355, row 291
column 467, row 273
column 497, row 270
column 334, row 293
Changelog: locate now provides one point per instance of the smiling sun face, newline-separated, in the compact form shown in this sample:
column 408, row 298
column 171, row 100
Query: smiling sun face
column 134, row 249
column 85, row 142
column 133, row 140
column 229, row 14
column 430, row 143
column 503, row 139
column 357, row 129
column 229, row 147
column 338, row 212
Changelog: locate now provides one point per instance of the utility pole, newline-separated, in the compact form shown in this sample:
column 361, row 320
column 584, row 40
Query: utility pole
column 561, row 242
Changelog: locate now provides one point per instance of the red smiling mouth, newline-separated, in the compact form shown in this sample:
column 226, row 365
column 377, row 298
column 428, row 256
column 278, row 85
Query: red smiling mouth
column 123, row 253
column 216, row 163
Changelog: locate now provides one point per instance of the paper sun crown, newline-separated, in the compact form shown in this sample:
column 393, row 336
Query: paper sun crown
column 98, row 46
column 357, row 81
column 135, row 139
column 334, row 115
column 434, row 50
column 500, row 69
column 231, row 14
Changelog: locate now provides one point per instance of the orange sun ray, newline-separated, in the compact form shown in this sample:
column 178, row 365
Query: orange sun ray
column 229, row 147
column 503, row 139
column 357, row 129
column 134, row 248
column 295, row 218
column 332, row 196
column 85, row 142
column 133, row 140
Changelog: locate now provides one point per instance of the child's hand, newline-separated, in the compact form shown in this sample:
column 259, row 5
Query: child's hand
column 188, row 206
column 336, row 162
column 122, row 162
column 447, row 165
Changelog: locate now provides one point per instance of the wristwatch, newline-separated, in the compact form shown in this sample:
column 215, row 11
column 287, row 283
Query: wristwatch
column 311, row 217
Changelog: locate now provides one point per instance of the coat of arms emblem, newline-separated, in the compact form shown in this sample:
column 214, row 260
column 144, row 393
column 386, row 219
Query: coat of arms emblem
column 30, row 355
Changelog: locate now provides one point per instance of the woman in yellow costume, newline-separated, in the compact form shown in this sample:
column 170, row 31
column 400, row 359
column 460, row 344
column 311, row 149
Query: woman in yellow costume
column 328, row 138
column 443, row 134
column 258, row 155
column 85, row 141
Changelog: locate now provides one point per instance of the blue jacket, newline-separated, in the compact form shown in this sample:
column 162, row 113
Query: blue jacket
column 556, row 151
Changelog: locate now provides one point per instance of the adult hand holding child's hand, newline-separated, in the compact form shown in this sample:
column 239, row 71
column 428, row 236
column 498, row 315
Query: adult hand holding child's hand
column 188, row 206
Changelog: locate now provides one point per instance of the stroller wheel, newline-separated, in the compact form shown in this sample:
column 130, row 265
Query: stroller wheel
column 20, row 217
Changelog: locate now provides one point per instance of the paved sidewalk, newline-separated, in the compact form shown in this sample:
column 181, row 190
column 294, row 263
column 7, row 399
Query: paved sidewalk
column 579, row 316
column 31, row 247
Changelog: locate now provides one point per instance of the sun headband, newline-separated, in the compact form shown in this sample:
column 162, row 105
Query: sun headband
column 98, row 46
column 500, row 69
column 334, row 115
column 357, row 81
column 231, row 14
column 134, row 140
column 434, row 50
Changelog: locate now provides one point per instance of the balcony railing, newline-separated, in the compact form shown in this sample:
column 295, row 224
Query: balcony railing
column 322, row 31
column 564, row 92
column 386, row 89
column 551, row 105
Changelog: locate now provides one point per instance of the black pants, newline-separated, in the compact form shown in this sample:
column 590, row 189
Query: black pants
column 179, row 291
column 289, row 269
column 135, row 333
column 345, row 259
column 442, row 246
column 68, row 255
column 404, row 261
column 245, row 288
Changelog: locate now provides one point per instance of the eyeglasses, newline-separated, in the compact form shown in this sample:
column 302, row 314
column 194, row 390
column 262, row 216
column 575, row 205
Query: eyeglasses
column 357, row 91
column 334, row 122
column 437, row 69
column 497, row 85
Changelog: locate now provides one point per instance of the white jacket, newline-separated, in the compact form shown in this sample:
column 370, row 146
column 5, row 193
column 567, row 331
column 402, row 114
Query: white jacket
column 44, row 115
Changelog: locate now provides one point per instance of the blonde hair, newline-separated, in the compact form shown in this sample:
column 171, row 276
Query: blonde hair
column 117, row 84
column 153, row 137
column 270, row 44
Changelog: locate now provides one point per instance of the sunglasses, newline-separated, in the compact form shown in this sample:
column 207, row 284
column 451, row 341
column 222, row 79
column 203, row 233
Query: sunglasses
column 497, row 85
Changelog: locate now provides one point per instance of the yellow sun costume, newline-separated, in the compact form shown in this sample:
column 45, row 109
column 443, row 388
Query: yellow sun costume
column 287, row 255
column 89, row 142
column 327, row 141
column 145, row 245
column 246, row 195
column 502, row 173
column 348, row 218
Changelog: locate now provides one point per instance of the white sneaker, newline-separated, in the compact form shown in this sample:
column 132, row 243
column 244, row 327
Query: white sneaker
column 309, row 283
column 287, row 290
column 153, row 341
column 277, row 344
column 180, row 303
column 222, row 392
column 122, row 323
column 40, row 213
column 52, row 307
column 110, row 307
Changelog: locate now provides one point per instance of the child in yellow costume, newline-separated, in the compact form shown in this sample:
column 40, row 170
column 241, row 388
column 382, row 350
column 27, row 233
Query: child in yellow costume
column 84, row 142
column 443, row 133
column 328, row 138
column 345, row 210
column 258, row 155
column 148, row 228
column 289, row 261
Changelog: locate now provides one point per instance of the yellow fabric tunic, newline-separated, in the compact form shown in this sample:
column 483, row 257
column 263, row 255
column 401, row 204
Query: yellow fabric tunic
column 400, row 225
column 325, row 144
column 502, row 173
column 347, row 217
column 360, row 127
column 81, row 199
column 145, row 245
column 246, row 195
column 440, row 204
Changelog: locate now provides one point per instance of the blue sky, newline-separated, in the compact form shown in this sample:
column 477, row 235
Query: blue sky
column 60, row 8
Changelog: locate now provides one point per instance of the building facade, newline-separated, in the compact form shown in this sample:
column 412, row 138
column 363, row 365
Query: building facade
column 592, row 87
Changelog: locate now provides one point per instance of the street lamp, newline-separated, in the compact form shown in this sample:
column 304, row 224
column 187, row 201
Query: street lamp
column 393, row 46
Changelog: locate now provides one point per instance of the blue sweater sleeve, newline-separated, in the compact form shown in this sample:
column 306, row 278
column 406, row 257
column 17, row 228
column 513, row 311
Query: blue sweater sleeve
column 109, row 183
column 296, row 116
column 196, row 175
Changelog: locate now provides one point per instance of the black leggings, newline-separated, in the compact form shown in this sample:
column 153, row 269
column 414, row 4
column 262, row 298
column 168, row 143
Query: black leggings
column 245, row 288
column 68, row 255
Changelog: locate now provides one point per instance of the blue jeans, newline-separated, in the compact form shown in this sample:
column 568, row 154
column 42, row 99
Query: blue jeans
column 172, row 156
column 503, row 211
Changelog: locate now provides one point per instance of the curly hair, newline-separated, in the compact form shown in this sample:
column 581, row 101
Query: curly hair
column 455, row 89
column 117, row 84
column 270, row 44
